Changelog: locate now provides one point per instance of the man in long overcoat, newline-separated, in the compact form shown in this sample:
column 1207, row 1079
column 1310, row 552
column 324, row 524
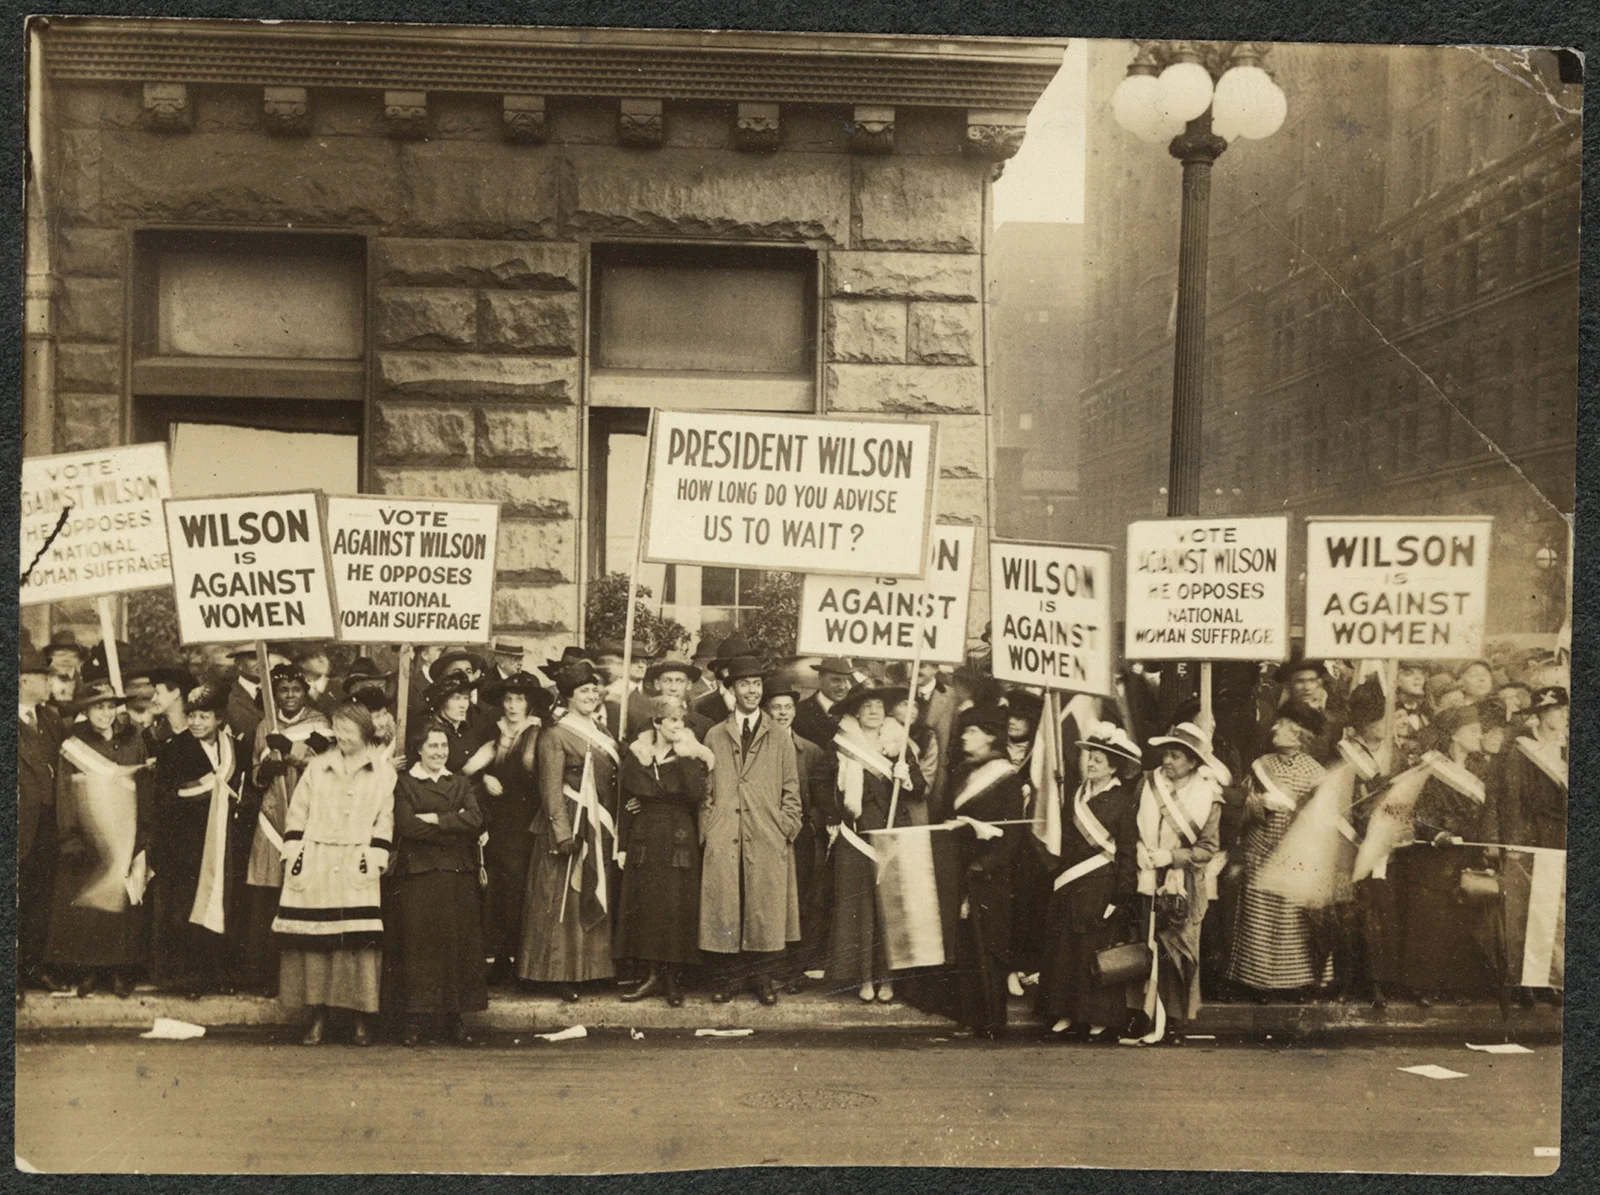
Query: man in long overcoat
column 749, row 902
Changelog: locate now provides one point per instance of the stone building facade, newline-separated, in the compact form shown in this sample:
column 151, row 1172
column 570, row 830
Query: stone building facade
column 1392, row 323
column 457, row 255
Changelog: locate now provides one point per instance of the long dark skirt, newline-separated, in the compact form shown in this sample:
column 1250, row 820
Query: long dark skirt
column 1030, row 894
column 857, row 940
column 36, row 876
column 433, row 945
column 1444, row 944
column 505, row 858
column 258, row 967
column 1067, row 987
column 87, row 937
column 1383, row 928
column 659, row 917
column 985, row 951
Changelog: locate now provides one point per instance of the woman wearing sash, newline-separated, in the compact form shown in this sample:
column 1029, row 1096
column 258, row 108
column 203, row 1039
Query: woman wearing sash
column 1533, row 813
column 573, row 874
column 1179, row 818
column 663, row 789
column 1272, row 947
column 507, row 768
column 199, row 775
column 1379, row 913
column 870, row 773
column 279, row 758
column 103, row 823
column 1093, row 894
column 336, row 844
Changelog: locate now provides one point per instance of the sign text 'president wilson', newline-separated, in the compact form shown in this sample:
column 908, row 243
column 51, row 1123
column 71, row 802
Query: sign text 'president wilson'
column 249, row 567
column 1051, row 612
column 802, row 494
column 1404, row 588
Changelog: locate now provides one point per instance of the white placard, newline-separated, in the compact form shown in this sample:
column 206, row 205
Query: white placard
column 113, row 538
column 1400, row 588
column 1051, row 611
column 876, row 617
column 407, row 570
column 251, row 566
column 801, row 493
column 1208, row 589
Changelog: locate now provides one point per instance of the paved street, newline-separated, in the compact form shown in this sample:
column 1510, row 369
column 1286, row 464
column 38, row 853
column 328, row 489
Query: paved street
column 254, row 1102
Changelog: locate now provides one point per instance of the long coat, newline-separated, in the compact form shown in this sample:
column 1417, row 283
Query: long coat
column 749, row 829
column 38, row 745
column 659, row 916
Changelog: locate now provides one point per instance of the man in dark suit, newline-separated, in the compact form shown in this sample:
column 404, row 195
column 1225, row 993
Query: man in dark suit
column 936, row 709
column 40, row 733
column 816, row 719
column 673, row 678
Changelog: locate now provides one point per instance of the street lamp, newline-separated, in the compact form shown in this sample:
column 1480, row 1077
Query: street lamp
column 1197, row 97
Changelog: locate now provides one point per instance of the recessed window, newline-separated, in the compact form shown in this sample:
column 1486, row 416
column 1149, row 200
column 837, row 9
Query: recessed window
column 220, row 303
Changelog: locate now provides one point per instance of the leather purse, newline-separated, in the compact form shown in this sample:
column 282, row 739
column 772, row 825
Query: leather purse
column 1117, row 965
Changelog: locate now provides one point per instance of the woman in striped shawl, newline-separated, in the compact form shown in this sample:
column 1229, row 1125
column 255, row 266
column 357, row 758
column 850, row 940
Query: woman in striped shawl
column 1272, row 948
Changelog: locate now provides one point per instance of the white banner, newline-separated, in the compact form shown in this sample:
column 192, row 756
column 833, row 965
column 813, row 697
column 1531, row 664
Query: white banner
column 877, row 617
column 251, row 566
column 1051, row 611
column 92, row 525
column 1208, row 589
column 801, row 493
column 1397, row 588
column 413, row 571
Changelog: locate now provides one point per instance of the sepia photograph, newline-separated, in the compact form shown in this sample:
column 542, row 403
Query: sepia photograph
column 600, row 600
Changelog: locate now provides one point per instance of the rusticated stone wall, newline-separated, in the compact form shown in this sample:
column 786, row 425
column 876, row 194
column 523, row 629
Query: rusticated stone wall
column 476, row 262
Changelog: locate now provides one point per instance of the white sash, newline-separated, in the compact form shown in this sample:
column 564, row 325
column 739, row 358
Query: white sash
column 863, row 755
column 588, row 801
column 86, row 759
column 1547, row 759
column 1094, row 831
column 1176, row 813
column 1358, row 757
column 1080, row 869
column 591, row 734
column 207, row 909
column 1456, row 776
column 1270, row 786
column 982, row 780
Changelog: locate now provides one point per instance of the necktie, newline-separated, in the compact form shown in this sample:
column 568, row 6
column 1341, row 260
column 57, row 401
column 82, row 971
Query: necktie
column 747, row 735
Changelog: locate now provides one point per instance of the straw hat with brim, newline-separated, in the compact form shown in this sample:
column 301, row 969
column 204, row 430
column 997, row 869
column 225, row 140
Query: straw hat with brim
column 97, row 693
column 657, row 670
column 444, row 662
column 742, row 667
column 837, row 665
column 539, row 699
column 1198, row 744
column 506, row 647
column 1111, row 740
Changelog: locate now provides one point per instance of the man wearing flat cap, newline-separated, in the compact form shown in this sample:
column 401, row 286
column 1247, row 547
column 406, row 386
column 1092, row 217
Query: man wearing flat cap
column 749, row 902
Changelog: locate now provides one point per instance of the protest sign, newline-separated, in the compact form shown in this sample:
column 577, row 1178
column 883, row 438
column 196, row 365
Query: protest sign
column 800, row 493
column 1051, row 611
column 1397, row 588
column 877, row 617
column 1208, row 589
column 250, row 566
column 92, row 525
column 413, row 571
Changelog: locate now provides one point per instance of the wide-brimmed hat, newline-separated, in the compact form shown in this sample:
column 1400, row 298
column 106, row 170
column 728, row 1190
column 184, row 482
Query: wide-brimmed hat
column 837, row 665
column 740, row 667
column 1302, row 715
column 1287, row 670
column 506, row 647
column 1198, row 743
column 65, row 641
column 446, row 687
column 94, row 693
column 1112, row 740
column 458, row 656
column 988, row 716
column 851, row 703
column 1548, row 698
column 571, row 654
column 539, row 700
column 661, row 667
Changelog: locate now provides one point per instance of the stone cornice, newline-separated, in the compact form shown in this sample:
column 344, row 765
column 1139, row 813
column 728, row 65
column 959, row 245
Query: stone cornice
column 985, row 73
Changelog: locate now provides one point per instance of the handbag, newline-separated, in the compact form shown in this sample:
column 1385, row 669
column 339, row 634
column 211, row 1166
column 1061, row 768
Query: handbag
column 1117, row 965
column 1478, row 886
column 1172, row 910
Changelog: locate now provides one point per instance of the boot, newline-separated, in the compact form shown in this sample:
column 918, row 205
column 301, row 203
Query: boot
column 319, row 1025
column 413, row 1033
column 650, row 987
column 361, row 1036
column 674, row 992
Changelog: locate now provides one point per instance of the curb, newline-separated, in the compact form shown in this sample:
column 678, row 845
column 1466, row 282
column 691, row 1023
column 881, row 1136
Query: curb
column 807, row 1011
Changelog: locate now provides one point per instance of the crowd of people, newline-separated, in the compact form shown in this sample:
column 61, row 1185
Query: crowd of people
column 209, row 827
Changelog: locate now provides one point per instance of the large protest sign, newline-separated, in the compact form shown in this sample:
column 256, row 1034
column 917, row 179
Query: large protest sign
column 804, row 494
column 877, row 617
column 1208, row 589
column 251, row 566
column 92, row 525
column 1051, row 611
column 413, row 571
column 1399, row 588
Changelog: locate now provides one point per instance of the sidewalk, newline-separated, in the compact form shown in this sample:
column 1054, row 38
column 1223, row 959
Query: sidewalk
column 810, row 1010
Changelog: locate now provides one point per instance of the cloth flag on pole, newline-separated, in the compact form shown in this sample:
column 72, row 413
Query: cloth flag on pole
column 1312, row 865
column 587, row 876
column 107, row 813
column 1535, row 882
column 1045, row 774
column 908, row 899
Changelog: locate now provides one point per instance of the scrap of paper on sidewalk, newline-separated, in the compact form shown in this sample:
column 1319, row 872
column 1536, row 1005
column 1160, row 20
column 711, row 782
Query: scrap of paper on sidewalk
column 1504, row 1047
column 570, row 1033
column 169, row 1029
column 1431, row 1071
column 723, row 1032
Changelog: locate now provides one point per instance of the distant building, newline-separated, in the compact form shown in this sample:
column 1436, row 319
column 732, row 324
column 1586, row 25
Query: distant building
column 1393, row 306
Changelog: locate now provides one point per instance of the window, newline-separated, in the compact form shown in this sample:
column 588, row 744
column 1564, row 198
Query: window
column 248, row 348
column 703, row 327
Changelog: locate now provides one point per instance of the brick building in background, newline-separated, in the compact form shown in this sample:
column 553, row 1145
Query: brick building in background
column 1393, row 306
column 463, row 263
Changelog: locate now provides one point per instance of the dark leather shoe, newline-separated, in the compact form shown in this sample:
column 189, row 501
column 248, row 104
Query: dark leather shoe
column 767, row 992
column 122, row 986
column 361, row 1036
column 674, row 992
column 90, row 984
column 570, row 994
column 313, row 1035
column 459, row 1033
column 650, row 987
column 721, row 996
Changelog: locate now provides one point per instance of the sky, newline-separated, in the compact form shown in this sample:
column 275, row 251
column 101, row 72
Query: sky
column 1044, row 182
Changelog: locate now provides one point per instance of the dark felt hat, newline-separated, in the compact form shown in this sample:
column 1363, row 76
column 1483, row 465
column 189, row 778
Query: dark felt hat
column 96, row 692
column 989, row 716
column 446, row 687
column 740, row 667
column 65, row 641
column 1447, row 722
column 1549, row 698
column 363, row 671
column 575, row 676
column 1367, row 703
column 458, row 656
column 32, row 660
column 209, row 696
column 661, row 667
column 288, row 672
column 540, row 702
column 1302, row 715
column 1288, row 670
column 1022, row 704
column 571, row 654
column 838, row 665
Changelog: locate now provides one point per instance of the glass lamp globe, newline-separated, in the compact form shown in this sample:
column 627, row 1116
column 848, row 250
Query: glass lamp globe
column 1185, row 91
column 1135, row 104
column 1249, row 102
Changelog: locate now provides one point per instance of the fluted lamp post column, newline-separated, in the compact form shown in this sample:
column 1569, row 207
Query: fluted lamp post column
column 1197, row 97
